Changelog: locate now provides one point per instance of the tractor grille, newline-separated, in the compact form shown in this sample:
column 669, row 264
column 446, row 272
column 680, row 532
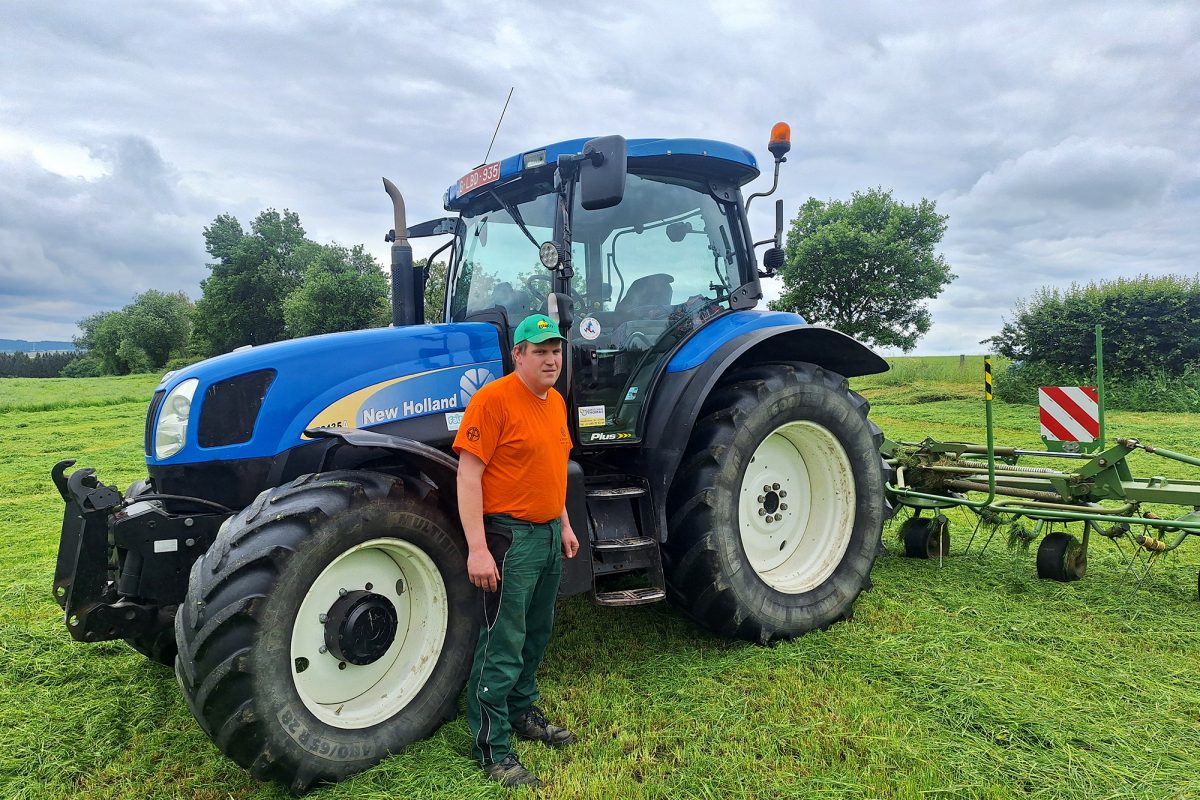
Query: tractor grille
column 154, row 404
column 231, row 408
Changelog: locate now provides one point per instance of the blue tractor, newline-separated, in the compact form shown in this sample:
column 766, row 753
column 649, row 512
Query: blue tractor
column 295, row 550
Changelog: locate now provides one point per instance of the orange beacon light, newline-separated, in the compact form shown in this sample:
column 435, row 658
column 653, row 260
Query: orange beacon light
column 781, row 140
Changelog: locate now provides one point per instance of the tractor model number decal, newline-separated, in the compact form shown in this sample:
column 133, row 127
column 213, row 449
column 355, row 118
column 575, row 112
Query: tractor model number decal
column 441, row 390
column 319, row 746
column 609, row 437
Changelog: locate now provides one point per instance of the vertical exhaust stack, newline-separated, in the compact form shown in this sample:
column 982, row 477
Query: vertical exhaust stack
column 408, row 304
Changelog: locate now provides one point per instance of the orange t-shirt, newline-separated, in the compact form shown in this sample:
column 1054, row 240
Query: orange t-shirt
column 523, row 440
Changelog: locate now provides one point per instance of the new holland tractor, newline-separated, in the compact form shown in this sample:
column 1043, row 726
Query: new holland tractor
column 295, row 550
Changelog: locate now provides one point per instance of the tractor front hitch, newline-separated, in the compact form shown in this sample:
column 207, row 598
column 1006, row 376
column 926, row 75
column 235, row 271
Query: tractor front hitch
column 121, row 560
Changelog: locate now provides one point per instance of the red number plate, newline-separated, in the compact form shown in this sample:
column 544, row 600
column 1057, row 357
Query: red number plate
column 478, row 177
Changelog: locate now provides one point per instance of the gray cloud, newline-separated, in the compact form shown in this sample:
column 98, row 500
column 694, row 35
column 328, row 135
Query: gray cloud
column 1061, row 140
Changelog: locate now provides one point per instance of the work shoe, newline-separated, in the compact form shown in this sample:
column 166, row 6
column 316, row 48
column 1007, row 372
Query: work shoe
column 510, row 773
column 534, row 725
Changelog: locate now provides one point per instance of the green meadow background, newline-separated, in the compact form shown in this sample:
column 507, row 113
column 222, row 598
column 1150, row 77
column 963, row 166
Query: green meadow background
column 969, row 678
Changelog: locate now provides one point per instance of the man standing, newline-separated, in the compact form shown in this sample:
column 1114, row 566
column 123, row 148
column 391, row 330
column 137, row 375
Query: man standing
column 513, row 446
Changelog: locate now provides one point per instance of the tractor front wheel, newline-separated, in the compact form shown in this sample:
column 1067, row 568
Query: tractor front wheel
column 329, row 625
column 777, row 510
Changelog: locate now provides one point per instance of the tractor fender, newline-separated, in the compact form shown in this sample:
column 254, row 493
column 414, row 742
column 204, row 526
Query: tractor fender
column 680, row 395
column 440, row 468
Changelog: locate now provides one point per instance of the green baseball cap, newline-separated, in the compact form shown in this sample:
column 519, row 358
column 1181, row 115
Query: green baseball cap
column 536, row 328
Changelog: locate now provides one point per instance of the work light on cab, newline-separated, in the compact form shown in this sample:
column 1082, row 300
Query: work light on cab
column 549, row 256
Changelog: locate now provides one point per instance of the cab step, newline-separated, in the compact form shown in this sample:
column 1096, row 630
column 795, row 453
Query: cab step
column 624, row 545
column 630, row 597
column 611, row 492
column 624, row 542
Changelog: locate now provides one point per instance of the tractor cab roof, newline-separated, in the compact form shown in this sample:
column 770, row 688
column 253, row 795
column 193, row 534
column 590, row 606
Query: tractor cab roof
column 705, row 156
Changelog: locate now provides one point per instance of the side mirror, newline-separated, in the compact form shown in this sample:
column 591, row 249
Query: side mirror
column 602, row 173
column 677, row 230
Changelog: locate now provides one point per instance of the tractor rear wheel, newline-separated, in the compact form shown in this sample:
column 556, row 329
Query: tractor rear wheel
column 777, row 510
column 330, row 624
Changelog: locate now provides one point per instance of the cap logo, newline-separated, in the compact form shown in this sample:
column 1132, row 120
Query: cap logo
column 543, row 324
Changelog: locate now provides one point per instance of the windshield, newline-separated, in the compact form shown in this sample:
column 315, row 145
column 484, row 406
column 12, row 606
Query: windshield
column 666, row 244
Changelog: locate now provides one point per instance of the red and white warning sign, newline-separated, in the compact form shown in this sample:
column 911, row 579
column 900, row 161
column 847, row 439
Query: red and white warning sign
column 1069, row 413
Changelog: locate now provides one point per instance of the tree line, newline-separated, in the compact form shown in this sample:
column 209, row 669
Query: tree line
column 40, row 365
column 266, row 284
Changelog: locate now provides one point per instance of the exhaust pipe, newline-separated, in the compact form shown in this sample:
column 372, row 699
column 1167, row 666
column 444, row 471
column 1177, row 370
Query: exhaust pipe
column 408, row 290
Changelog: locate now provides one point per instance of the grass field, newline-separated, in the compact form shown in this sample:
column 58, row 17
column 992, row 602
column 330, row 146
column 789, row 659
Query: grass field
column 973, row 679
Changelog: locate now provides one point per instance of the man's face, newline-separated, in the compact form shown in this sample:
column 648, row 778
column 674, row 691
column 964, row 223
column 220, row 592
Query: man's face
column 540, row 364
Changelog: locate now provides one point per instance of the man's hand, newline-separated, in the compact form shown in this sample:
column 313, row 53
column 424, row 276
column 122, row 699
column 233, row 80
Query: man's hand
column 570, row 544
column 481, row 569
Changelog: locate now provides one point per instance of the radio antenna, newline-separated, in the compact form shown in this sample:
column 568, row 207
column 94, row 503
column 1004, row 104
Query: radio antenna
column 493, row 141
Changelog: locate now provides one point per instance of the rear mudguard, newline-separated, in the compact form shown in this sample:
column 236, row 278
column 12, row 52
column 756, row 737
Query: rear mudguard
column 679, row 395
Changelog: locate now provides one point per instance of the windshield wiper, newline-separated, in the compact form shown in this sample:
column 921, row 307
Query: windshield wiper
column 516, row 217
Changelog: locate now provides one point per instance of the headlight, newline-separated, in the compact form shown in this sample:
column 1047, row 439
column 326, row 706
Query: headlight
column 173, row 415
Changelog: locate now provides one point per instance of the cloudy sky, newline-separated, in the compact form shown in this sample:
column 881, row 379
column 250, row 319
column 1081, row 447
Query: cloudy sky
column 1061, row 138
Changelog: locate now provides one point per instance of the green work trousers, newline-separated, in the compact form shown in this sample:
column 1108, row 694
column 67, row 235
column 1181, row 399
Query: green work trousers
column 517, row 619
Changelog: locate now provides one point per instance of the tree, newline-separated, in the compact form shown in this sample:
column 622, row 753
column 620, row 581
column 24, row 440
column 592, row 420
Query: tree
column 341, row 290
column 100, row 338
column 866, row 266
column 159, row 324
column 1150, row 323
column 140, row 337
column 435, row 290
column 253, row 274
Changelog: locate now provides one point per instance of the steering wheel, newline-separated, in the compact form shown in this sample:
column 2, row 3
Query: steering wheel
column 539, row 285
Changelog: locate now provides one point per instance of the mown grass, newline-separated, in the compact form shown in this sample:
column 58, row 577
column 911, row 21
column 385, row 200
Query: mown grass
column 972, row 679
column 51, row 394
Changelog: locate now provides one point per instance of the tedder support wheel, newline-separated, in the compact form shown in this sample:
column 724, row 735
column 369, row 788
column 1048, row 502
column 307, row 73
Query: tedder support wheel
column 926, row 537
column 1060, row 557
column 777, row 510
column 330, row 624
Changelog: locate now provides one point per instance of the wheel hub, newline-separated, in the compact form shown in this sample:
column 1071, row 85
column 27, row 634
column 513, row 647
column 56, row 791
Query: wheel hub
column 360, row 627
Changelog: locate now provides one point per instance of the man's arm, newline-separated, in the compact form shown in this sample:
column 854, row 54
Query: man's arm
column 570, row 545
column 481, row 566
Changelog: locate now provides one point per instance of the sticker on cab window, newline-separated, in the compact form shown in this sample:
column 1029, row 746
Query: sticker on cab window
column 589, row 328
column 591, row 416
column 453, row 420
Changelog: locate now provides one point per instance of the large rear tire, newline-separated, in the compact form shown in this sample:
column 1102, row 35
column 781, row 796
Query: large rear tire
column 329, row 625
column 777, row 511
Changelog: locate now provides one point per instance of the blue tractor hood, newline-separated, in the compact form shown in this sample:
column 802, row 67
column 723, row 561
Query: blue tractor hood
column 357, row 379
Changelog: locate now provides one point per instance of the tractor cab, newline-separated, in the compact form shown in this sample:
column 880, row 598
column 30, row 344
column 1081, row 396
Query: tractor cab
column 632, row 257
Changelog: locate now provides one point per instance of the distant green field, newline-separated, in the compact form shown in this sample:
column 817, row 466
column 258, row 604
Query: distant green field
column 46, row 394
column 972, row 679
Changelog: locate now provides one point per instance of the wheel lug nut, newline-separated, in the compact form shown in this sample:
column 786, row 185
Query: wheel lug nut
column 766, row 488
column 322, row 618
column 762, row 511
column 322, row 649
column 774, row 485
column 762, row 498
column 782, row 493
column 778, row 517
column 783, row 506
column 341, row 592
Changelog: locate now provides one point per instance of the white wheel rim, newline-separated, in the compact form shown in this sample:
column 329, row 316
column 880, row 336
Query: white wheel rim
column 358, row 696
column 796, row 507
